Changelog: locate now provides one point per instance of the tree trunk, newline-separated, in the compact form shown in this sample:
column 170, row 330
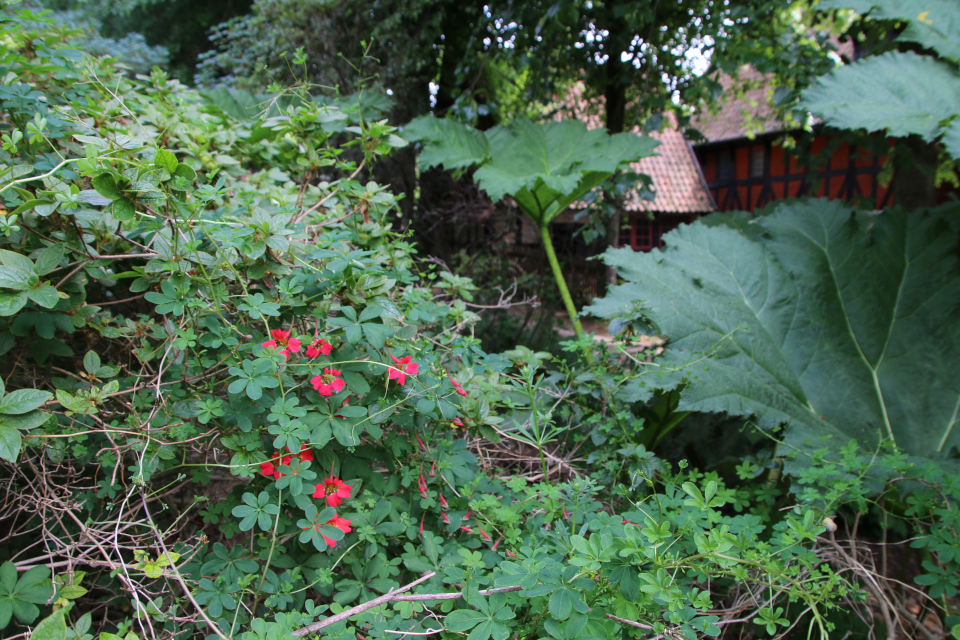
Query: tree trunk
column 616, row 109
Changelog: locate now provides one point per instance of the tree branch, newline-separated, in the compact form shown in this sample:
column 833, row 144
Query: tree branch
column 394, row 595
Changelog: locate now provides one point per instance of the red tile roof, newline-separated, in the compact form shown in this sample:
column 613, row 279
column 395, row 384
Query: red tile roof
column 677, row 180
column 746, row 108
column 740, row 113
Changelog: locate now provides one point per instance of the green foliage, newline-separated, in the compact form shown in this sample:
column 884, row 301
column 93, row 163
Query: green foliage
column 242, row 406
column 899, row 91
column 544, row 167
column 144, row 33
column 19, row 411
column 902, row 93
column 932, row 25
column 131, row 48
column 814, row 315
column 919, row 496
column 19, row 596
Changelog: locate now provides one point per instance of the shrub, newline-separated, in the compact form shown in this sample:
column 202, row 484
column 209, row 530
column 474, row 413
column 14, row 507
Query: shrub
column 233, row 408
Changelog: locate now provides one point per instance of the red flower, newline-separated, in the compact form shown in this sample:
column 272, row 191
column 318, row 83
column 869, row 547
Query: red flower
column 282, row 339
column 484, row 534
column 404, row 367
column 497, row 543
column 433, row 469
column 268, row 468
column 329, row 383
column 446, row 519
column 443, row 502
column 422, row 485
column 306, row 453
column 334, row 490
column 456, row 385
column 340, row 523
column 457, row 422
column 319, row 347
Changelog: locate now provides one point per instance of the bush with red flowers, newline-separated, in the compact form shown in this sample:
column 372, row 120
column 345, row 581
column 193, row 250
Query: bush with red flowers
column 233, row 404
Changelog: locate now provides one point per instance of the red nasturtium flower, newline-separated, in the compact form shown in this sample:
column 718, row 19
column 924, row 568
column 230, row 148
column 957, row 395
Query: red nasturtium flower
column 333, row 490
column 456, row 385
column 269, row 468
column 319, row 347
column 281, row 338
column 404, row 367
column 329, row 383
column 340, row 523
column 306, row 453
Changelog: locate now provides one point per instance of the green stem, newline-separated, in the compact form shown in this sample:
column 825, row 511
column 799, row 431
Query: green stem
column 41, row 176
column 558, row 276
column 672, row 424
column 536, row 430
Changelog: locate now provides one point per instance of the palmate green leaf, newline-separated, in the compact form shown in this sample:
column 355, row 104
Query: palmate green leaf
column 902, row 93
column 462, row 146
column 464, row 620
column 831, row 321
column 933, row 24
column 19, row 597
column 545, row 167
column 256, row 510
column 487, row 622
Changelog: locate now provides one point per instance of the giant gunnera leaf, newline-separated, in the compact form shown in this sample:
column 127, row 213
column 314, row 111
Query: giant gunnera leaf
column 545, row 167
column 830, row 321
column 933, row 24
column 901, row 93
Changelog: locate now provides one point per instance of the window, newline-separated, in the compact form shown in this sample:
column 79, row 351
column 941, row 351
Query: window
column 757, row 157
column 644, row 227
column 626, row 230
column 725, row 166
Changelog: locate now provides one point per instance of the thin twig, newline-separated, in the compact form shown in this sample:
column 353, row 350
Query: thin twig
column 394, row 596
column 390, row 596
column 176, row 574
